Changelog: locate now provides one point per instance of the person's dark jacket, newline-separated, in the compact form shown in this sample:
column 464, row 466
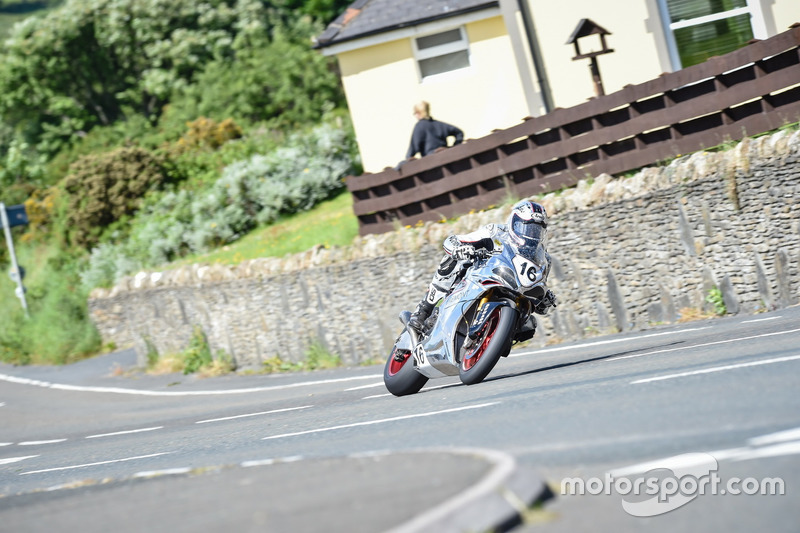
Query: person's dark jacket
column 430, row 134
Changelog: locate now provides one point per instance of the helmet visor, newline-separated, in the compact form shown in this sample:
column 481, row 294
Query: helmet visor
column 529, row 232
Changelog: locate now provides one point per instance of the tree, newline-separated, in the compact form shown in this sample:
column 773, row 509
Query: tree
column 93, row 62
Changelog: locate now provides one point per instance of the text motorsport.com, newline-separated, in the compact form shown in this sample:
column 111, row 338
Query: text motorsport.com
column 665, row 488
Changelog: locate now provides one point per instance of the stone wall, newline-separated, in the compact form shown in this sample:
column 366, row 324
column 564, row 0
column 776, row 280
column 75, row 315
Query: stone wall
column 628, row 254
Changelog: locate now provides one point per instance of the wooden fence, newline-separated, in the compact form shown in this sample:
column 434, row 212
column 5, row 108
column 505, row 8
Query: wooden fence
column 749, row 91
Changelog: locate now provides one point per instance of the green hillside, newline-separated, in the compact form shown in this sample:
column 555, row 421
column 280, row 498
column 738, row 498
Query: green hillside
column 147, row 134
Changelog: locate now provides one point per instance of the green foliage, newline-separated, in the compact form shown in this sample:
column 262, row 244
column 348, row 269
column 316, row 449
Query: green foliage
column 716, row 299
column 59, row 329
column 101, row 189
column 92, row 62
column 21, row 171
column 290, row 179
column 280, row 80
column 317, row 357
column 198, row 354
column 323, row 10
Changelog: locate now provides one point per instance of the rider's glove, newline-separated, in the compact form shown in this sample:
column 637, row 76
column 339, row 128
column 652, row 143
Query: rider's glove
column 465, row 253
column 550, row 299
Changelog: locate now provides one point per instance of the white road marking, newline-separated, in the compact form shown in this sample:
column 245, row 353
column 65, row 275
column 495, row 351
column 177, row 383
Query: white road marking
column 601, row 343
column 38, row 442
column 703, row 345
column 380, row 421
column 761, row 319
column 117, row 390
column 6, row 444
column 371, row 385
column 253, row 414
column 426, row 389
column 9, row 460
column 165, row 472
column 673, row 463
column 73, row 467
column 2, row 404
column 267, row 462
column 124, row 432
column 772, row 438
column 775, row 450
column 718, row 369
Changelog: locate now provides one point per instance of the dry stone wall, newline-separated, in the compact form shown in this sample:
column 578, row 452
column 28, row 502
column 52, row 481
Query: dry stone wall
column 628, row 253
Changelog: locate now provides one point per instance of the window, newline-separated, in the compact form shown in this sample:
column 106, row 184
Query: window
column 442, row 52
column 699, row 29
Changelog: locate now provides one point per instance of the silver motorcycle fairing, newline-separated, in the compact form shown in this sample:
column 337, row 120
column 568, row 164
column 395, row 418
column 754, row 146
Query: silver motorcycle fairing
column 517, row 270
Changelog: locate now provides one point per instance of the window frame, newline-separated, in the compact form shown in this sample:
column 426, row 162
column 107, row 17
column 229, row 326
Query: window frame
column 753, row 9
column 441, row 50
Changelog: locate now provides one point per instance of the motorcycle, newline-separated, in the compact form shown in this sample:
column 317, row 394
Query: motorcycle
column 488, row 310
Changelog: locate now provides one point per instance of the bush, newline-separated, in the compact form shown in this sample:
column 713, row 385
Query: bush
column 59, row 329
column 256, row 191
column 102, row 189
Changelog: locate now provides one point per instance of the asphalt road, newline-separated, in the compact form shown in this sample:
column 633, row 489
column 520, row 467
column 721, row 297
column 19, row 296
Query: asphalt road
column 83, row 448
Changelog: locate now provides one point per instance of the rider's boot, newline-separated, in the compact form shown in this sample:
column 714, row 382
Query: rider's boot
column 418, row 317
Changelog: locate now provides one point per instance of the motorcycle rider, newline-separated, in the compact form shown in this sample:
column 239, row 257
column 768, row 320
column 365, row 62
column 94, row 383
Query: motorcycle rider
column 527, row 225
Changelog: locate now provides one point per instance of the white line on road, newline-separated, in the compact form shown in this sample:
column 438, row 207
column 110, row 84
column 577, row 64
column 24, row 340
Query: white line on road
column 117, row 390
column 704, row 345
column 72, row 467
column 427, row 389
column 761, row 319
column 371, row 385
column 165, row 472
column 9, row 460
column 380, row 421
column 124, row 432
column 6, row 444
column 253, row 414
column 38, row 442
column 600, row 343
column 718, row 369
column 771, row 438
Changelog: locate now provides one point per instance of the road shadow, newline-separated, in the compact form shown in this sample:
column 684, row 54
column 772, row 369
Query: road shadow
column 435, row 388
column 581, row 362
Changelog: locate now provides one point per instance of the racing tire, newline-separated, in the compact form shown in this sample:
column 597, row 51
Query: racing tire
column 400, row 377
column 494, row 341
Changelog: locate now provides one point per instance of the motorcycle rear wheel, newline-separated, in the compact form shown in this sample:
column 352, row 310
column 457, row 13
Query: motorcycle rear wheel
column 400, row 377
column 494, row 341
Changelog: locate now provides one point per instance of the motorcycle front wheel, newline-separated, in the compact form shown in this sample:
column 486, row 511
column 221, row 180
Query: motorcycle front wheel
column 493, row 342
column 399, row 374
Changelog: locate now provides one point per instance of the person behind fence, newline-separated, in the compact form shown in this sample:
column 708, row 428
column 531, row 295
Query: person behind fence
column 526, row 226
column 430, row 135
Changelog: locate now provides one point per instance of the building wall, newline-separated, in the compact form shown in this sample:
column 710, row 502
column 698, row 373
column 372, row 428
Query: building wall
column 628, row 254
column 635, row 38
column 382, row 85
column 638, row 38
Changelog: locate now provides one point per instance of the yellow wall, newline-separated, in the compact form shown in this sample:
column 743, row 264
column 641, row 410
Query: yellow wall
column 382, row 85
column 784, row 12
column 637, row 37
column 635, row 59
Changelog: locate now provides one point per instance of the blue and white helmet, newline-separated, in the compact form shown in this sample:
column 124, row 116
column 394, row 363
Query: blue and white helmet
column 527, row 223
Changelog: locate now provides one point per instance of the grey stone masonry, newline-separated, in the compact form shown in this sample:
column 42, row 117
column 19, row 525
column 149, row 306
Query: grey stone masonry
column 629, row 253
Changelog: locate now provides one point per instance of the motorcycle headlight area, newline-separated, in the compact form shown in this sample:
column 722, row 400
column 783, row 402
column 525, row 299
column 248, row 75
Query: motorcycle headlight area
column 506, row 275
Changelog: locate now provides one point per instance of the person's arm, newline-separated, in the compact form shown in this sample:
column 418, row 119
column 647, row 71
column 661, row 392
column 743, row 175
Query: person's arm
column 416, row 146
column 457, row 133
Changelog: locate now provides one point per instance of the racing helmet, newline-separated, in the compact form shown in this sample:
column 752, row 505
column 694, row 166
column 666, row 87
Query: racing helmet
column 527, row 223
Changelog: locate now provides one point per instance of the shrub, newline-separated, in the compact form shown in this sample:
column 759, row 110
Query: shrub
column 207, row 133
column 292, row 178
column 102, row 189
